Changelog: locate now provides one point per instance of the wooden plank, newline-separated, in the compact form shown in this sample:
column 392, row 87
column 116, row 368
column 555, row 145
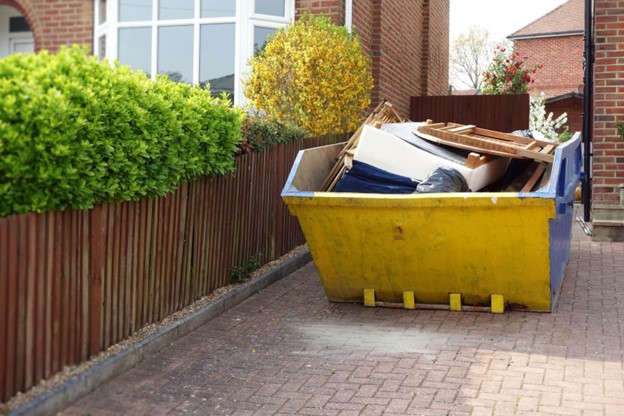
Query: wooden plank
column 481, row 144
column 504, row 136
column 513, row 137
column 179, row 242
column 128, row 266
column 204, row 213
column 76, row 292
column 85, row 293
column 109, row 276
column 190, row 223
column 167, row 260
column 522, row 178
column 531, row 154
column 4, row 301
column 12, row 300
column 33, row 259
column 528, row 187
column 154, row 221
column 97, row 244
column 57, row 293
column 22, row 295
column 134, row 266
column 546, row 177
column 48, row 295
column 466, row 142
column 549, row 148
column 66, row 296
column 158, row 246
column 142, row 254
column 114, row 276
column 463, row 129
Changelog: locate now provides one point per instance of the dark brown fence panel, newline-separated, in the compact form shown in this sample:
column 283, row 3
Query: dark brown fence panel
column 74, row 283
column 495, row 112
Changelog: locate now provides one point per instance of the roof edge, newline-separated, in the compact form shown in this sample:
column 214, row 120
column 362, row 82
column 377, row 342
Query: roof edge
column 563, row 97
column 546, row 35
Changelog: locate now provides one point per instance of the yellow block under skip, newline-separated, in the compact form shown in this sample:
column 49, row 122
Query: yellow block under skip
column 369, row 298
column 455, row 302
column 498, row 304
column 409, row 301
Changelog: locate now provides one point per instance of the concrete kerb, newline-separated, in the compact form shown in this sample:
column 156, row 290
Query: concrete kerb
column 60, row 396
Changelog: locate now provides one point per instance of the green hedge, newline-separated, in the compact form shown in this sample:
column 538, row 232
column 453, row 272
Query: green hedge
column 261, row 131
column 75, row 132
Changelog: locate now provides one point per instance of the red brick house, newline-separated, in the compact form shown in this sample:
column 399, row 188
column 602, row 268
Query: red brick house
column 211, row 40
column 608, row 109
column 556, row 40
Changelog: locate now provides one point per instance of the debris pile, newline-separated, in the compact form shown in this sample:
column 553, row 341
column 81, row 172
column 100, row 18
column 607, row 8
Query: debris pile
column 389, row 154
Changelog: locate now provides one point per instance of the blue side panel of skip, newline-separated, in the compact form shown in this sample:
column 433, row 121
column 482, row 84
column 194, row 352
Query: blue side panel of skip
column 566, row 175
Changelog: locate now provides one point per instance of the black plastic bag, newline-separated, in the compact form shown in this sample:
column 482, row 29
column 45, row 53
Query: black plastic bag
column 443, row 180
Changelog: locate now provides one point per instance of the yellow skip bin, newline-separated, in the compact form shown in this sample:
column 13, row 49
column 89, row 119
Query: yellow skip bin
column 511, row 245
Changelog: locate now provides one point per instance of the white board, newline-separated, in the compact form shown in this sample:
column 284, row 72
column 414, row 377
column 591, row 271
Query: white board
column 387, row 152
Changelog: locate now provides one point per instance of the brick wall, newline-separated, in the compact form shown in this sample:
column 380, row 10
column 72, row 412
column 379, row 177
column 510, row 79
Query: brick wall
column 438, row 47
column 55, row 23
column 335, row 9
column 562, row 57
column 400, row 52
column 608, row 147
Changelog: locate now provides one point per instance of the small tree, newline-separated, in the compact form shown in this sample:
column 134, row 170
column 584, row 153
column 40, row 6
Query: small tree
column 314, row 74
column 508, row 73
column 469, row 57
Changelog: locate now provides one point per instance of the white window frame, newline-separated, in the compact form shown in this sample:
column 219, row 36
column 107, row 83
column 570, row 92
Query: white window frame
column 245, row 20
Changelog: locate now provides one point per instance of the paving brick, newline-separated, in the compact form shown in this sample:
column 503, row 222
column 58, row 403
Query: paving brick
column 276, row 355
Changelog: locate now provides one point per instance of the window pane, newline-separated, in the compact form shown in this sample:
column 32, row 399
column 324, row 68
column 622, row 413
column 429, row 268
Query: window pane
column 102, row 11
column 176, row 9
column 175, row 52
column 18, row 24
column 135, row 46
column 271, row 7
column 260, row 37
column 216, row 58
column 133, row 10
column 218, row 8
column 102, row 47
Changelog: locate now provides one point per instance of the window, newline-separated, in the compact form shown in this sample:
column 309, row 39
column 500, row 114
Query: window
column 18, row 24
column 195, row 41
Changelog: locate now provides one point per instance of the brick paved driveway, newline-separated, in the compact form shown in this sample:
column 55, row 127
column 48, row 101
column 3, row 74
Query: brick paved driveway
column 289, row 351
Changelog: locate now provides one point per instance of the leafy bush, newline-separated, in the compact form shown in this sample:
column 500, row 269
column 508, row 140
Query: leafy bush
column 312, row 73
column 261, row 131
column 242, row 273
column 75, row 132
column 508, row 73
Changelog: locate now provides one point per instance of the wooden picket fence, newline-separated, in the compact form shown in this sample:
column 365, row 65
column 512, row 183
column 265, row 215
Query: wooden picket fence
column 495, row 112
column 74, row 283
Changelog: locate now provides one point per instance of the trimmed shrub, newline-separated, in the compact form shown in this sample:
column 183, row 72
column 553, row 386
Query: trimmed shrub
column 75, row 132
column 261, row 131
column 314, row 74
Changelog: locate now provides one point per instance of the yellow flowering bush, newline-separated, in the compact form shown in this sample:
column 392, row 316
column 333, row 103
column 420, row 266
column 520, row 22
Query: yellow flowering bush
column 312, row 73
